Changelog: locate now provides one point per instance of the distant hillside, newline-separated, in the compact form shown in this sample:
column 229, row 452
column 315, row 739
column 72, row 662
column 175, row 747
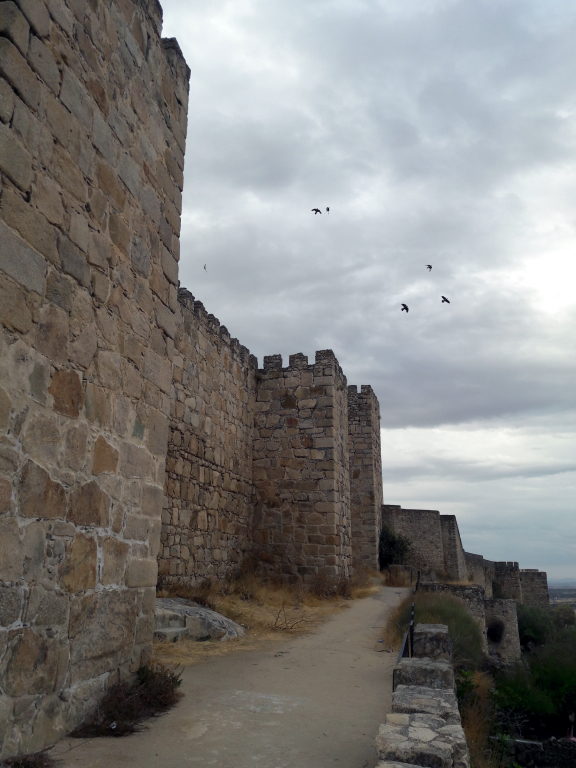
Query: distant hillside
column 562, row 583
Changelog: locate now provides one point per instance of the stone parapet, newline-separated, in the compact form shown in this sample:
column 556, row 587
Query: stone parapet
column 421, row 739
column 427, row 673
column 432, row 641
column 411, row 699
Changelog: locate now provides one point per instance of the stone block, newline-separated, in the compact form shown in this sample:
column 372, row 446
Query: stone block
column 52, row 334
column 15, row 69
column 169, row 266
column 6, row 101
column 74, row 454
column 83, row 348
column 47, row 608
column 141, row 257
column 41, row 437
column 110, row 185
column 101, row 632
column 158, row 370
column 109, row 370
column 39, row 495
column 19, row 261
column 141, row 573
column 10, row 605
column 152, row 500
column 89, row 506
column 105, row 457
column 166, row 319
column 44, row 64
column 97, row 405
column 30, row 663
column 37, row 16
column 432, row 641
column 422, row 739
column 73, row 261
column 74, row 96
column 66, row 389
column 424, row 672
column 31, row 225
column 114, row 553
column 14, row 311
column 68, row 175
column 130, row 174
column 5, row 495
column 410, row 699
column 119, row 233
column 14, row 25
column 15, row 161
column 134, row 461
column 78, row 571
column 157, row 432
column 48, row 200
column 104, row 139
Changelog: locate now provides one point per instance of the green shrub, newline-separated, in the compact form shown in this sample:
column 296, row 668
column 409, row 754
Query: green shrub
column 534, row 625
column 564, row 616
column 393, row 548
column 465, row 635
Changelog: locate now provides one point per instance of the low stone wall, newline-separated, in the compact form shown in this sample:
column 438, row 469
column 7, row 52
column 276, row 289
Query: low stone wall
column 424, row 727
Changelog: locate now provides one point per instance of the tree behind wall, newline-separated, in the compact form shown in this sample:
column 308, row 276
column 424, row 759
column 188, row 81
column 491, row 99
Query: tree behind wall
column 393, row 548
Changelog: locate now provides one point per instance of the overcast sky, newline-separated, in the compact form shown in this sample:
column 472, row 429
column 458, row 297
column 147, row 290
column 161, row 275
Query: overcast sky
column 438, row 132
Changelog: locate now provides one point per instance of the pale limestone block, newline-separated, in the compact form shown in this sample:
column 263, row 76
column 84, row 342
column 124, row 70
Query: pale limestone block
column 15, row 161
column 14, row 25
column 42, row 60
column 14, row 68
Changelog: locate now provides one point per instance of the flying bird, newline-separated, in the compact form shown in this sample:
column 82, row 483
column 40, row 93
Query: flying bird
column 444, row 299
column 404, row 308
column 205, row 267
column 429, row 267
column 316, row 210
column 327, row 210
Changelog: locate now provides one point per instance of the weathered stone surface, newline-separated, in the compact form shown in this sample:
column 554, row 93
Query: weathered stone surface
column 37, row 16
column 141, row 573
column 134, row 461
column 43, row 62
column 432, row 641
column 47, row 608
column 89, row 506
column 10, row 605
column 14, row 25
column 68, row 394
column 11, row 554
column 411, row 699
column 52, row 334
column 14, row 312
column 193, row 620
column 39, row 495
column 30, row 664
column 422, row 739
column 105, row 457
column 424, row 672
column 158, row 371
column 5, row 495
column 114, row 553
column 101, row 632
column 41, row 437
column 78, row 571
column 15, row 161
column 14, row 68
column 75, row 446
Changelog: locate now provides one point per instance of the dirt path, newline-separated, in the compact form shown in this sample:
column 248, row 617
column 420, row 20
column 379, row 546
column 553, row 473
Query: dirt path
column 313, row 702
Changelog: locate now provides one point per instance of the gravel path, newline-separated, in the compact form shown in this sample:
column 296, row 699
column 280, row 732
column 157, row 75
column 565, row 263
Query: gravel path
column 313, row 702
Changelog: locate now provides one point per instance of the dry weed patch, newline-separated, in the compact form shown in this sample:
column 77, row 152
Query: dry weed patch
column 36, row 760
column 267, row 607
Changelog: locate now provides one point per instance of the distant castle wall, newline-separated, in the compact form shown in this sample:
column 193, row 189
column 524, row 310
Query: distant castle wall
column 454, row 559
column 507, row 579
column 534, row 588
column 365, row 475
column 422, row 527
column 302, row 522
column 209, row 492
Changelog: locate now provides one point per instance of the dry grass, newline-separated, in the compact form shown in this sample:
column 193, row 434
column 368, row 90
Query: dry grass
column 478, row 717
column 36, row 760
column 395, row 579
column 125, row 706
column 267, row 607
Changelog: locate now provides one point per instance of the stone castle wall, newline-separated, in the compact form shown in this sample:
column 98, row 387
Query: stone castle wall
column 422, row 527
column 93, row 115
column 454, row 559
column 534, row 588
column 301, row 522
column 365, row 475
column 507, row 650
column 207, row 516
column 507, row 578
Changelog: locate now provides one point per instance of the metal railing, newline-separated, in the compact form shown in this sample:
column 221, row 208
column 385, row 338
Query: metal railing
column 407, row 647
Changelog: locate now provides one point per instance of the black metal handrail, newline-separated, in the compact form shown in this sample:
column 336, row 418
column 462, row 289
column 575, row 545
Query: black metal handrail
column 410, row 633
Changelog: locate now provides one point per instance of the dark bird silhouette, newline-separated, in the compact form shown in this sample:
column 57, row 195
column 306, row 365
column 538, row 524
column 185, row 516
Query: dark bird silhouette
column 316, row 210
column 444, row 299
column 429, row 267
column 205, row 267
column 327, row 210
column 404, row 308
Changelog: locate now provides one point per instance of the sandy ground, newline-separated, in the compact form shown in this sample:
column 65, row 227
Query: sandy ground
column 312, row 702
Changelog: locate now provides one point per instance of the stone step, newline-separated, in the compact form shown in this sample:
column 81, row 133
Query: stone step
column 170, row 634
column 165, row 618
